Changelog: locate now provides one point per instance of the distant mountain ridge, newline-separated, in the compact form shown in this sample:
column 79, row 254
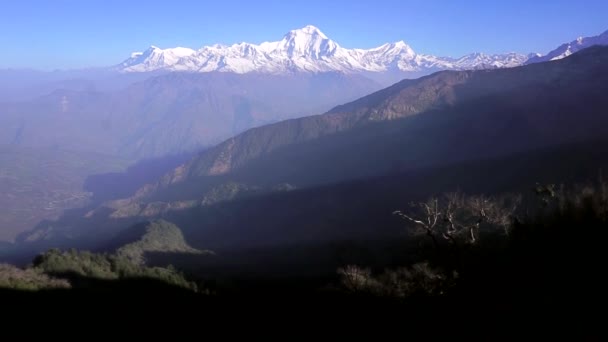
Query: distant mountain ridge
column 310, row 50
column 172, row 113
column 567, row 49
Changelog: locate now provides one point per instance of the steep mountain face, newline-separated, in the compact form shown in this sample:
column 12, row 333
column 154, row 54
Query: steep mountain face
column 309, row 50
column 574, row 46
column 172, row 113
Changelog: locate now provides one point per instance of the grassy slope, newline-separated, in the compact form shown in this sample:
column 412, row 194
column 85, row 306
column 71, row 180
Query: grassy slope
column 159, row 236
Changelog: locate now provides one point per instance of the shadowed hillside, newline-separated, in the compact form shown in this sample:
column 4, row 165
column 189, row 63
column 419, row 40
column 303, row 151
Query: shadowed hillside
column 350, row 211
column 439, row 119
column 519, row 278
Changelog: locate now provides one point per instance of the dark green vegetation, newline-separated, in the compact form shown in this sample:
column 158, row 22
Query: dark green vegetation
column 158, row 237
column 79, row 266
column 30, row 279
column 83, row 269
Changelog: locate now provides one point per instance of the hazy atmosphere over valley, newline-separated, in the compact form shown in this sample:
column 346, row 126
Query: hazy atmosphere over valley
column 396, row 165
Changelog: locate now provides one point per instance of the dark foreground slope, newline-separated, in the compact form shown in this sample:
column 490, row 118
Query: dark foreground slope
column 540, row 279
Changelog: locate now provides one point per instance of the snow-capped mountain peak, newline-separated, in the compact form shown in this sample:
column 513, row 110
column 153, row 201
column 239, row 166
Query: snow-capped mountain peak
column 395, row 48
column 567, row 49
column 305, row 42
column 306, row 49
column 308, row 30
column 155, row 58
column 401, row 45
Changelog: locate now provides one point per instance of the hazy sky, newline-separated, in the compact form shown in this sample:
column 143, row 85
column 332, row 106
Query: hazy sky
column 49, row 34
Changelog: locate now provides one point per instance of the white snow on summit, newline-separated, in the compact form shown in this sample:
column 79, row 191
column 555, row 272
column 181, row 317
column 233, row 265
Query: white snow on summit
column 308, row 50
column 155, row 58
column 567, row 49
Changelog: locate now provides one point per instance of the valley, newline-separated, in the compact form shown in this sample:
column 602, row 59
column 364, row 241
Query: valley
column 39, row 184
column 300, row 173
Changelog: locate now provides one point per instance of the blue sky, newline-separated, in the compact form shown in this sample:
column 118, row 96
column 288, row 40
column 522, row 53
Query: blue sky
column 49, row 34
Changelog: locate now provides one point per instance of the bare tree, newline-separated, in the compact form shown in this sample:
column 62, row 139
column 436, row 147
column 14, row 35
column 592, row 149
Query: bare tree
column 357, row 279
column 456, row 217
column 427, row 220
column 453, row 212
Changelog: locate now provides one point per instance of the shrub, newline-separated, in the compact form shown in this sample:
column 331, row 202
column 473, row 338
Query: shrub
column 103, row 266
column 12, row 277
column 419, row 279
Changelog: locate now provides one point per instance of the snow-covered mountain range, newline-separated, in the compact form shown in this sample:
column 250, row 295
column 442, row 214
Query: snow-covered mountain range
column 309, row 50
column 567, row 49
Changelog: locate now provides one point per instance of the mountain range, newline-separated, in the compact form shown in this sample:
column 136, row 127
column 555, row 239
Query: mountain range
column 129, row 116
column 496, row 105
column 494, row 170
column 307, row 50
column 339, row 175
column 567, row 49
